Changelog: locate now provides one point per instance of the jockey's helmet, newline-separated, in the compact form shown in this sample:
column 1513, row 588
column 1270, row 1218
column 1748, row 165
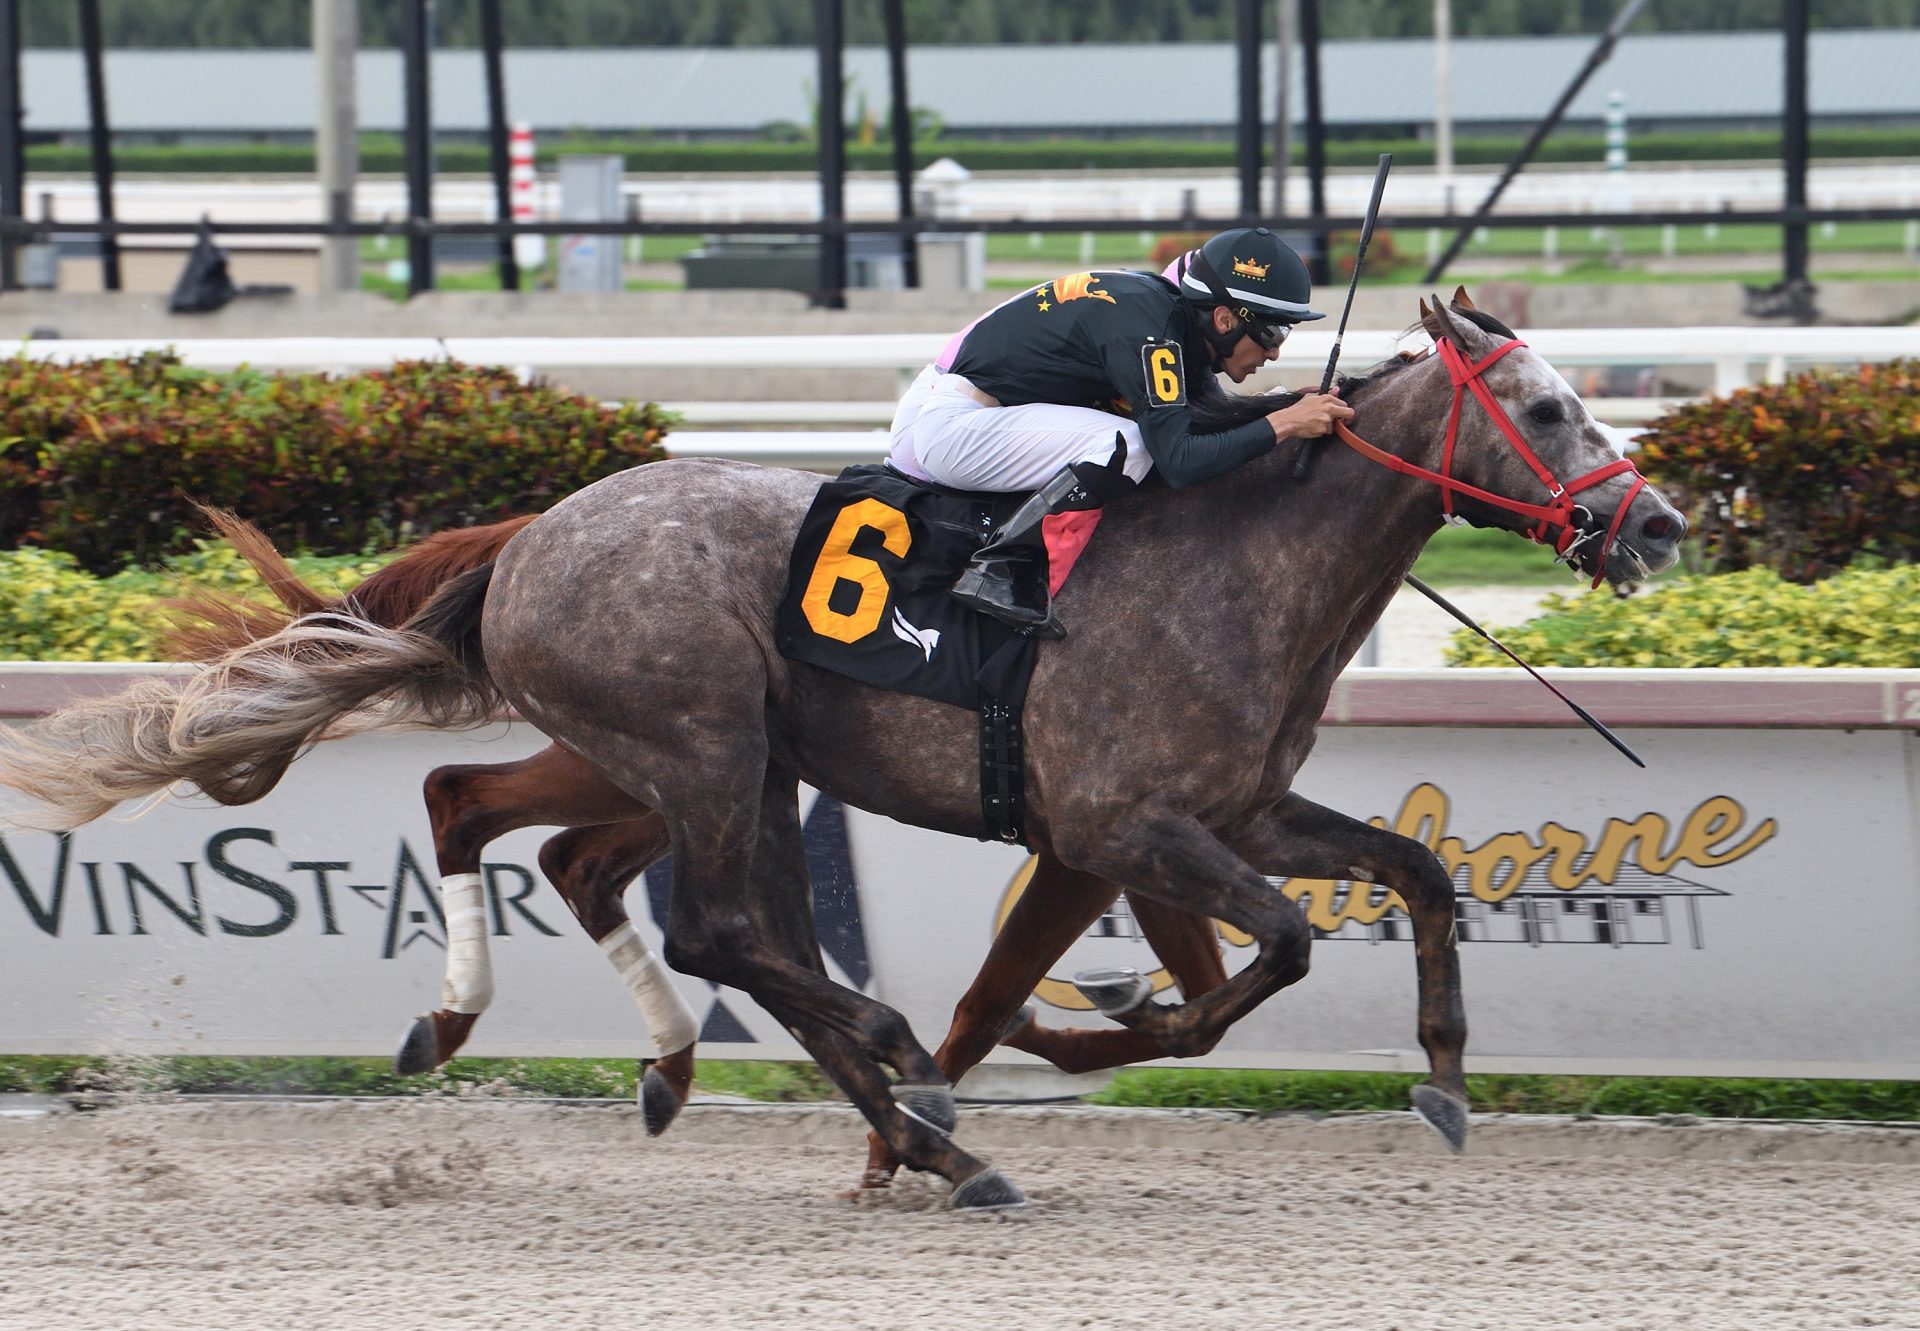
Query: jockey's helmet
column 1256, row 275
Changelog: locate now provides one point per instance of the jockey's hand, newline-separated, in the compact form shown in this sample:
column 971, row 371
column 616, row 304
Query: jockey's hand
column 1309, row 418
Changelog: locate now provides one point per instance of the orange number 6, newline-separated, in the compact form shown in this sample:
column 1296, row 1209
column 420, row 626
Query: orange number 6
column 837, row 561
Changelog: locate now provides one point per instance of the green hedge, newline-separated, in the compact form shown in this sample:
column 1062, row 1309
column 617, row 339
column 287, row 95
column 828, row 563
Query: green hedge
column 1863, row 617
column 52, row 610
column 383, row 154
column 1802, row 477
column 100, row 459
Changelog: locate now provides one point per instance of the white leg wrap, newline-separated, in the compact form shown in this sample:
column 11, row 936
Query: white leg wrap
column 468, row 987
column 669, row 1020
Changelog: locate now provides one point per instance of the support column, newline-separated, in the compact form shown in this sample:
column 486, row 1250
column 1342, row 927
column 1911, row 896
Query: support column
column 1316, row 136
column 1793, row 140
column 336, row 135
column 13, row 152
column 894, row 13
column 1246, row 30
column 492, row 43
column 415, row 25
column 828, row 34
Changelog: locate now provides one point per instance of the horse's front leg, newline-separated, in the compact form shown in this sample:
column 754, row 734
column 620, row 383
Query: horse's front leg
column 1301, row 839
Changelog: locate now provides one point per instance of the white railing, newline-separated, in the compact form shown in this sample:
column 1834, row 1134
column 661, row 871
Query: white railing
column 1738, row 357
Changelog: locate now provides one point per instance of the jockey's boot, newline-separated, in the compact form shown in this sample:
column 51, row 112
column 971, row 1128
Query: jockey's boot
column 1007, row 577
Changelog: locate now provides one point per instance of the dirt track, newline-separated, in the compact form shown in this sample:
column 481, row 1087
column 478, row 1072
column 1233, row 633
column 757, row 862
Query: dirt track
column 463, row 1214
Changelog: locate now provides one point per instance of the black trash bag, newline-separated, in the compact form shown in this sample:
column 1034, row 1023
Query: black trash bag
column 206, row 286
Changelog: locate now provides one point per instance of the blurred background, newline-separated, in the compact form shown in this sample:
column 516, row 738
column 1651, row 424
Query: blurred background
column 1671, row 155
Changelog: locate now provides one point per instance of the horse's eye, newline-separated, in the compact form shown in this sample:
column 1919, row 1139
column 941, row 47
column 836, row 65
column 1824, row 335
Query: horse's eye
column 1545, row 413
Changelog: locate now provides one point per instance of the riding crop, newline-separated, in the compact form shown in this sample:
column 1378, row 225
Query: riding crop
column 1305, row 458
column 1578, row 710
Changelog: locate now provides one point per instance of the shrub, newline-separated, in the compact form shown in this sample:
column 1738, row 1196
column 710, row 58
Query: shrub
column 1864, row 617
column 51, row 610
column 1802, row 476
column 98, row 459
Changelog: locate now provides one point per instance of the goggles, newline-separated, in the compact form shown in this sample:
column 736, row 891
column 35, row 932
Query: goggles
column 1268, row 334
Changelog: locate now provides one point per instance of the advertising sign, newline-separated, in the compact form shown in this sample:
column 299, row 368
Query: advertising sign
column 1750, row 904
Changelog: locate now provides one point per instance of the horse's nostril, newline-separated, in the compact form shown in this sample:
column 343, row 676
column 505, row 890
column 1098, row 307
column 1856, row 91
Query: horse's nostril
column 1657, row 528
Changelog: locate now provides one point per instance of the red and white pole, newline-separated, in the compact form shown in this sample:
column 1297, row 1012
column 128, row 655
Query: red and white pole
column 528, row 251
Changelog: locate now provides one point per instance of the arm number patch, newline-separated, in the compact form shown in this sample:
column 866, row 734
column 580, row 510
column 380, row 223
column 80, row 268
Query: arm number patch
column 1166, row 376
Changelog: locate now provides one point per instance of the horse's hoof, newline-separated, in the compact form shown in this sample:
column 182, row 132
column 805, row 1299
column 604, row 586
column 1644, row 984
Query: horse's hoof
column 1115, row 990
column 1445, row 1113
column 931, row 1105
column 659, row 1103
column 989, row 1190
column 418, row 1050
column 1025, row 1017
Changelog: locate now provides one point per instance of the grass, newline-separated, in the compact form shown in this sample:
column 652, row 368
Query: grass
column 573, row 1078
column 1582, row 254
column 1706, row 1097
column 1260, row 1091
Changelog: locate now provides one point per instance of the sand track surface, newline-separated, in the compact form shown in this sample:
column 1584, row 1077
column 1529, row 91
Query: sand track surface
column 408, row 1214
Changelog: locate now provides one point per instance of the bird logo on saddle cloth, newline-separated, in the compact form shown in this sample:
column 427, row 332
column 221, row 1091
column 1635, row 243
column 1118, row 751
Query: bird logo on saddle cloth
column 1006, row 447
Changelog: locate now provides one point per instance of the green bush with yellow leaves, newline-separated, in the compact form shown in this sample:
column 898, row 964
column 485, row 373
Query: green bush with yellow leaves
column 1802, row 477
column 103, row 459
column 1863, row 617
column 52, row 610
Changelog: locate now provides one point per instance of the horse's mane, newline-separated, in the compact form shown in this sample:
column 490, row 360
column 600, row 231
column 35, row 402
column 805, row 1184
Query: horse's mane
column 203, row 625
column 1214, row 409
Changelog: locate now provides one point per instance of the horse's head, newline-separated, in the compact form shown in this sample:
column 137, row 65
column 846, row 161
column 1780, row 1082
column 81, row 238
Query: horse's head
column 1518, row 432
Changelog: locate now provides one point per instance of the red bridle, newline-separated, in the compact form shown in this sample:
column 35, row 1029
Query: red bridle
column 1557, row 513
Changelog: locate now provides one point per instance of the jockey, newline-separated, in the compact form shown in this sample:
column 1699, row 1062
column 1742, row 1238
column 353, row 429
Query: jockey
column 1077, row 390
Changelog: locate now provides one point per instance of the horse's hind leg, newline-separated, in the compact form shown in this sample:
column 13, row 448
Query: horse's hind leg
column 740, row 917
column 469, row 806
column 591, row 867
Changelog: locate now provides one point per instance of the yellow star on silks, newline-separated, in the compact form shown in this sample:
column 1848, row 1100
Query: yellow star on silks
column 1044, row 306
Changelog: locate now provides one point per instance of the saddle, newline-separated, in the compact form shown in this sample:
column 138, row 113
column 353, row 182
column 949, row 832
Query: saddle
column 867, row 597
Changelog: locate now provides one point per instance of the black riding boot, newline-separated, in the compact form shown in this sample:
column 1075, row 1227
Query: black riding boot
column 1007, row 577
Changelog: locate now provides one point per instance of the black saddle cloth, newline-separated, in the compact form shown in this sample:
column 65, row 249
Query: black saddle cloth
column 868, row 587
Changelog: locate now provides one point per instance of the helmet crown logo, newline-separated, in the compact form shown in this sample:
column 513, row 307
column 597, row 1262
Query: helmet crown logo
column 1248, row 268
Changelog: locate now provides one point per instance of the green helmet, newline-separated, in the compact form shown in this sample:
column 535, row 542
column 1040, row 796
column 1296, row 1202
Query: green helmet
column 1252, row 272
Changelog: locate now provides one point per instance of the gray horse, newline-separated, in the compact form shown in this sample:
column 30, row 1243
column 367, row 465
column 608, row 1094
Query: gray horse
column 634, row 624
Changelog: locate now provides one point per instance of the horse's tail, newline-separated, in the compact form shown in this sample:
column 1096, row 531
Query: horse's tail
column 204, row 625
column 233, row 728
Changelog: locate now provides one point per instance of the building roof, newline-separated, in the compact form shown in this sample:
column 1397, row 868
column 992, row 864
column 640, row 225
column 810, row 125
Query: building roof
column 1109, row 88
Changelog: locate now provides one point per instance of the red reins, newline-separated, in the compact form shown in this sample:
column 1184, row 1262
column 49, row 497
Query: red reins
column 1558, row 512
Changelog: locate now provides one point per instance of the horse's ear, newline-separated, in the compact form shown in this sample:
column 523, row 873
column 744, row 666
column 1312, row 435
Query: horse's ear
column 1435, row 320
column 1462, row 300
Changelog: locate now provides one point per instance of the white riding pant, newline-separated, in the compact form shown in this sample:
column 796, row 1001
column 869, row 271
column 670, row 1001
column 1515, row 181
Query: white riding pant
column 942, row 433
